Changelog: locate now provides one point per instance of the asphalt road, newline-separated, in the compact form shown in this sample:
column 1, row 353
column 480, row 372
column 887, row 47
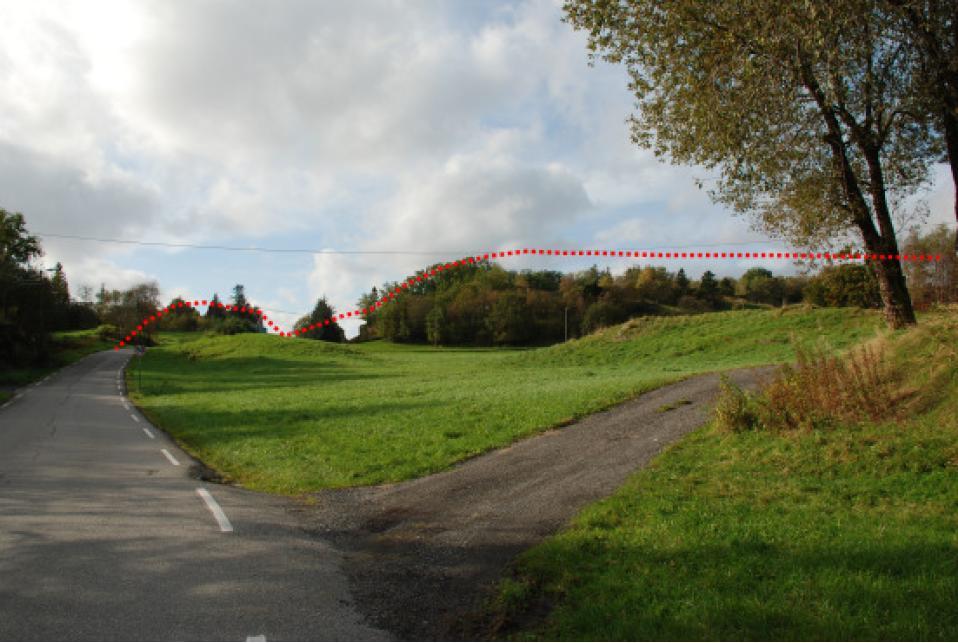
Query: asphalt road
column 105, row 536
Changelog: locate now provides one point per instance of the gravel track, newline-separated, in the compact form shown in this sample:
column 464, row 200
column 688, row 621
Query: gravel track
column 422, row 555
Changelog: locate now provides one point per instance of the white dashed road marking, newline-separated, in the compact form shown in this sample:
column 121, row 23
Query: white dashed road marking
column 259, row 637
column 149, row 433
column 169, row 456
column 135, row 419
column 221, row 518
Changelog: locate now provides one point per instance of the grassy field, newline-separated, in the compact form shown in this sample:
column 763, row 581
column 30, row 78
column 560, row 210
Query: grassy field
column 68, row 347
column 848, row 533
column 292, row 416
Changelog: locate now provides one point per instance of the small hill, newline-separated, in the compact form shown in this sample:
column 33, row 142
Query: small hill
column 723, row 339
column 845, row 532
column 253, row 345
column 294, row 415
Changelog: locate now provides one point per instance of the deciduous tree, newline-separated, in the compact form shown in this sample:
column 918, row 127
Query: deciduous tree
column 801, row 107
column 929, row 28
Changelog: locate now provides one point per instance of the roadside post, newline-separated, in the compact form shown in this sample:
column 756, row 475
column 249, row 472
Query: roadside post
column 140, row 351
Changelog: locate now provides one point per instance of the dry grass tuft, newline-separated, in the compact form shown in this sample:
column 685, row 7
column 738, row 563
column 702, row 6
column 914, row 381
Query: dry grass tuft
column 735, row 410
column 820, row 390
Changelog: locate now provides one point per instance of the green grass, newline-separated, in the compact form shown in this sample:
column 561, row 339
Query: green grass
column 850, row 533
column 293, row 416
column 67, row 347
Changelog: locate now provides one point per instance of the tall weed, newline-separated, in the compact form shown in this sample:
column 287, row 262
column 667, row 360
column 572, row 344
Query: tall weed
column 735, row 410
column 820, row 390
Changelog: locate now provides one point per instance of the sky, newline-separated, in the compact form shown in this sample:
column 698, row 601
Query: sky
column 437, row 129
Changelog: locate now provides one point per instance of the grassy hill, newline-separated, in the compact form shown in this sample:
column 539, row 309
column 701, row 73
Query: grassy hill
column 292, row 416
column 847, row 532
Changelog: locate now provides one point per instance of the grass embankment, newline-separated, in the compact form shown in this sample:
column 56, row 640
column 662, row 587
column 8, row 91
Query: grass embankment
column 292, row 416
column 849, row 532
column 67, row 347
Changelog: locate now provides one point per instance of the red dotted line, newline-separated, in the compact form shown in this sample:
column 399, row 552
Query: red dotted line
column 428, row 274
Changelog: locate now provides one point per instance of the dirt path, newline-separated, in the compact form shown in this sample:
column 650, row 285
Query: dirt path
column 423, row 553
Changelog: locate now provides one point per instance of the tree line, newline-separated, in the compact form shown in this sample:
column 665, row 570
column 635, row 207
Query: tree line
column 33, row 302
column 484, row 304
column 241, row 318
column 115, row 312
column 36, row 302
column 476, row 304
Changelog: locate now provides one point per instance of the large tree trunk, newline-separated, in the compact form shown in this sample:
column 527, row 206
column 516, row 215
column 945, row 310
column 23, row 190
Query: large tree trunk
column 895, row 297
column 891, row 279
column 894, row 292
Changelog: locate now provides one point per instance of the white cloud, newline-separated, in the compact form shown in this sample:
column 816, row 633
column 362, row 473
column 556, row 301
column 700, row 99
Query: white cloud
column 368, row 125
column 626, row 233
column 473, row 206
column 58, row 196
column 93, row 271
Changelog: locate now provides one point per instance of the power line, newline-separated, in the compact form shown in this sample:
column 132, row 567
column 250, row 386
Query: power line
column 169, row 244
column 312, row 251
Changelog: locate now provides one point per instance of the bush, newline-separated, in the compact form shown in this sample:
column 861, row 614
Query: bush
column 182, row 321
column 108, row 332
column 844, row 285
column 820, row 391
column 824, row 389
column 602, row 314
column 233, row 326
column 735, row 410
column 693, row 304
column 759, row 285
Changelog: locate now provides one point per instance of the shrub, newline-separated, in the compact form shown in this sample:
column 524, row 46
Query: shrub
column 183, row 321
column 602, row 314
column 823, row 389
column 844, row 285
column 234, row 326
column 735, row 410
column 820, row 391
column 693, row 304
column 108, row 332
column 759, row 285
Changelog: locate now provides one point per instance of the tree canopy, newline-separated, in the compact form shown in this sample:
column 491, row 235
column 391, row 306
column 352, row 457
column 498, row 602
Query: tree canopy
column 805, row 110
column 32, row 302
column 484, row 304
column 322, row 311
column 929, row 28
